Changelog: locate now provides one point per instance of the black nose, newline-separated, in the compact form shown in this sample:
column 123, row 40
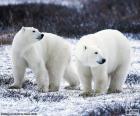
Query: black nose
column 103, row 60
column 42, row 35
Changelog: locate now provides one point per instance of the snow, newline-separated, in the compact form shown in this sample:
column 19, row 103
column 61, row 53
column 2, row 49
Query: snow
column 68, row 3
column 67, row 102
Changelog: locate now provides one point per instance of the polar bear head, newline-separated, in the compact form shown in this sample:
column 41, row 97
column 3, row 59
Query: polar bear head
column 89, row 55
column 30, row 34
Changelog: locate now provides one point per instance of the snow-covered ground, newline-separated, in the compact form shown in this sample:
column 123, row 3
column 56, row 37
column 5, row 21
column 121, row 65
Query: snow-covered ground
column 68, row 102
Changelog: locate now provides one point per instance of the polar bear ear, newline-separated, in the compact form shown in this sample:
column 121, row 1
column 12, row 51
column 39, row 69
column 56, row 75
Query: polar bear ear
column 23, row 28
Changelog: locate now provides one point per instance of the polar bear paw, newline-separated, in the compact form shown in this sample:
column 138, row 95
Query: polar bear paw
column 114, row 91
column 43, row 89
column 53, row 88
column 98, row 94
column 14, row 87
column 87, row 94
column 72, row 88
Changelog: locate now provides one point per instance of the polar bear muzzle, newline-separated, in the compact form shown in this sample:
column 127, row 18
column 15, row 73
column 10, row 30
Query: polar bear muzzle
column 102, row 61
column 40, row 37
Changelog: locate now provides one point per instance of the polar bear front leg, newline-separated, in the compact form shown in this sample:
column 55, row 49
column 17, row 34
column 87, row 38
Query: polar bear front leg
column 118, row 79
column 36, row 63
column 55, row 74
column 86, row 82
column 18, row 73
column 85, row 79
column 42, row 76
column 101, row 80
column 56, row 66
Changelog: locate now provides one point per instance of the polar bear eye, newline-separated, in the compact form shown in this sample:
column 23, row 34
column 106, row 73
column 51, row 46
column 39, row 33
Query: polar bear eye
column 95, row 52
column 33, row 31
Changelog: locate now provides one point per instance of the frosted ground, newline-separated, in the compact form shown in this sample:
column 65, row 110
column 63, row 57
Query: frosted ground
column 68, row 102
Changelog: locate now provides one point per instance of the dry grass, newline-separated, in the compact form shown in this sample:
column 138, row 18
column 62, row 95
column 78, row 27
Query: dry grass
column 6, row 38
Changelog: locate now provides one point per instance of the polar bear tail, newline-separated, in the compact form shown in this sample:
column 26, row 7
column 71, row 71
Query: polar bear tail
column 71, row 76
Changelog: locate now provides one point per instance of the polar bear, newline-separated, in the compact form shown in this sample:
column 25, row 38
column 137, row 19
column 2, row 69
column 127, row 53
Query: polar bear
column 48, row 55
column 103, row 57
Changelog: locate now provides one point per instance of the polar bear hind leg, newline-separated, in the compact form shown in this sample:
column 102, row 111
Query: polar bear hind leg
column 37, row 65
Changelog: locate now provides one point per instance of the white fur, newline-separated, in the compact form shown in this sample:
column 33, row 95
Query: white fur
column 111, row 45
column 48, row 58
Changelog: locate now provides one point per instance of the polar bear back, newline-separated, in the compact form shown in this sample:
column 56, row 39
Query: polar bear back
column 54, row 45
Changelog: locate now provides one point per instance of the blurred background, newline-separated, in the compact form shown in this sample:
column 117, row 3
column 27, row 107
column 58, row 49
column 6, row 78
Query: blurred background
column 69, row 18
